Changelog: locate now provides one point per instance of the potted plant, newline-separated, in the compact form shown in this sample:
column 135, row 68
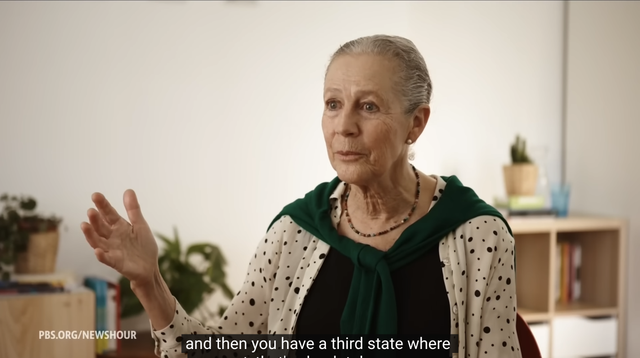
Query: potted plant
column 190, row 283
column 521, row 176
column 28, row 242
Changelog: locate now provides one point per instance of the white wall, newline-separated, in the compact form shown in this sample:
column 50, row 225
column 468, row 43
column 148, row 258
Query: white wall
column 603, row 124
column 211, row 110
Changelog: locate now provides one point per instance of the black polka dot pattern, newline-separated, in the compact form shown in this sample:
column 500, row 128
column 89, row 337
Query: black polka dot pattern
column 488, row 288
column 287, row 260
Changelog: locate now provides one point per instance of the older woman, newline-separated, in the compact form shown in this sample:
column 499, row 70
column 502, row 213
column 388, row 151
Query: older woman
column 381, row 249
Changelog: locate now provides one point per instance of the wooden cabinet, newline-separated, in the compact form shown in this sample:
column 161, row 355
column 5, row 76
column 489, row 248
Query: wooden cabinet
column 598, row 317
column 22, row 317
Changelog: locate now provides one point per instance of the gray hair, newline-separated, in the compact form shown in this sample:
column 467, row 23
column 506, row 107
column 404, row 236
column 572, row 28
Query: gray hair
column 414, row 81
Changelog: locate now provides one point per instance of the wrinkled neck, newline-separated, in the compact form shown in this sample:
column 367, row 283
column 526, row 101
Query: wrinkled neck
column 384, row 200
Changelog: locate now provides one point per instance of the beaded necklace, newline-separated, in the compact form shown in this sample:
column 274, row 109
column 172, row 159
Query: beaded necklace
column 406, row 218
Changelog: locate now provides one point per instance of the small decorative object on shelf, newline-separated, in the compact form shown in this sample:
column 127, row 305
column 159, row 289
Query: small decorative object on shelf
column 522, row 175
column 28, row 242
column 560, row 194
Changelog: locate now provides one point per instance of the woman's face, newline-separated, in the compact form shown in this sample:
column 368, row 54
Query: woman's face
column 364, row 125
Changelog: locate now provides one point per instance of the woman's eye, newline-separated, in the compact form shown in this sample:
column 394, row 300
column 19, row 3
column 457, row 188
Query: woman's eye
column 370, row 107
column 332, row 105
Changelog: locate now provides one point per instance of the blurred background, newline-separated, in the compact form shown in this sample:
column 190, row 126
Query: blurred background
column 211, row 110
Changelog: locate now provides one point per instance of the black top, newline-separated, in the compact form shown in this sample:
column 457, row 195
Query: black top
column 421, row 296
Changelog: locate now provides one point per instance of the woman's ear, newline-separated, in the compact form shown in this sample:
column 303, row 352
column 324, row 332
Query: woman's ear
column 419, row 121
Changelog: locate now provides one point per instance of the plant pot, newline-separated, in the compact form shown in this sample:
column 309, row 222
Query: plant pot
column 41, row 254
column 521, row 179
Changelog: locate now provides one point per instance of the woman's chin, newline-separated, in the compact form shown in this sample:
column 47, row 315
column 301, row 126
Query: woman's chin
column 352, row 172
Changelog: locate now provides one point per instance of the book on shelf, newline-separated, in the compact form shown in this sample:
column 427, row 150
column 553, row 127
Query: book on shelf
column 576, row 257
column 521, row 202
column 532, row 214
column 108, row 310
column 523, row 207
column 65, row 279
column 13, row 288
column 568, row 265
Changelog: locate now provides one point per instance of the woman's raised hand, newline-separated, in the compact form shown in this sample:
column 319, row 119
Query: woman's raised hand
column 126, row 246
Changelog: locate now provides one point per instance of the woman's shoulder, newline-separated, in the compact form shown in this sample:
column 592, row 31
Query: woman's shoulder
column 287, row 234
column 306, row 208
column 485, row 232
column 283, row 226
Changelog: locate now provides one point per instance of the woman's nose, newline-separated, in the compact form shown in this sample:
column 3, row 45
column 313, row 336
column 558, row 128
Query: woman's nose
column 347, row 124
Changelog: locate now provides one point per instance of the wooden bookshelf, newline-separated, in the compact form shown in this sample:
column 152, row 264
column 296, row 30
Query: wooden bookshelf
column 602, row 301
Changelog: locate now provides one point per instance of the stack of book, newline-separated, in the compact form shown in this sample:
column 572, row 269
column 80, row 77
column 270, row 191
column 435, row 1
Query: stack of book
column 568, row 263
column 12, row 288
column 39, row 283
column 524, row 207
column 65, row 279
column 107, row 312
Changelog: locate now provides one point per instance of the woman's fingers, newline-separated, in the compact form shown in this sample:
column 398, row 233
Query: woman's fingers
column 104, row 257
column 127, row 248
column 133, row 208
column 95, row 240
column 113, row 259
column 109, row 214
column 98, row 223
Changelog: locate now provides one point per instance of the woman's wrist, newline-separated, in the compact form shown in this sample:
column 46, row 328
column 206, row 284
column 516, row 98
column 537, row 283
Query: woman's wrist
column 157, row 300
column 147, row 285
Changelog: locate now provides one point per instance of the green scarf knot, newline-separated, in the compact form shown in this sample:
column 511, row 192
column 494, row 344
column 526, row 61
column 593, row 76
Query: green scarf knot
column 368, row 258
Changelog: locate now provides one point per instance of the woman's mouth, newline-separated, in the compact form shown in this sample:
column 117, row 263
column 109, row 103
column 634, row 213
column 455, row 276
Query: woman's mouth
column 348, row 155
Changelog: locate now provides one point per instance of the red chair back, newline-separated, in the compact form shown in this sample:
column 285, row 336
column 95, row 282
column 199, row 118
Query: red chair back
column 528, row 344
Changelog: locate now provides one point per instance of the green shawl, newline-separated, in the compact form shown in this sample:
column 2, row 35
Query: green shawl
column 371, row 304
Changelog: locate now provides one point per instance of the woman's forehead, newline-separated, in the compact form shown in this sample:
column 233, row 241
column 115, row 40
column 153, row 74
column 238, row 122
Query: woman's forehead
column 362, row 74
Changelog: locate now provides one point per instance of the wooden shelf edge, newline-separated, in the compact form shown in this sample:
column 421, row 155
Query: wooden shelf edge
column 569, row 224
column 531, row 316
column 582, row 310
column 587, row 312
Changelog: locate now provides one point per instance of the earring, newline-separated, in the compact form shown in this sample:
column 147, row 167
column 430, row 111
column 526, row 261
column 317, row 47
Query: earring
column 409, row 141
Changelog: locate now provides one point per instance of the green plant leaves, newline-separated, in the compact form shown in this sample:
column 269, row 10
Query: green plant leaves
column 130, row 304
column 189, row 285
column 189, row 288
column 21, row 241
column 216, row 263
column 221, row 310
column 519, row 151
column 28, row 204
column 172, row 247
column 226, row 290
column 17, row 221
column 13, row 216
column 7, row 255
